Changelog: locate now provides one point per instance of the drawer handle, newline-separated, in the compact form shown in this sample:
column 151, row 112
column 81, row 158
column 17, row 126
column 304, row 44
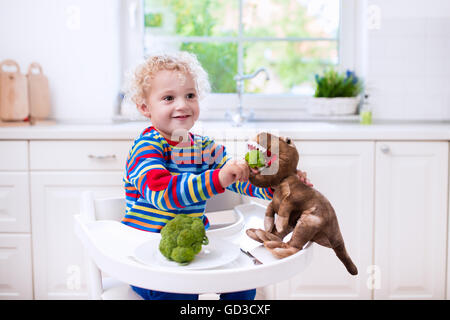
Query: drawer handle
column 385, row 148
column 107, row 157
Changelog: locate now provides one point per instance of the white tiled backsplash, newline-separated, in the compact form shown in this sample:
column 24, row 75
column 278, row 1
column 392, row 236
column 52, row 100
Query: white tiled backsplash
column 408, row 61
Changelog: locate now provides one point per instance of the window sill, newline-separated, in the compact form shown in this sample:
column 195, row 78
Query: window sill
column 276, row 116
column 219, row 115
column 264, row 107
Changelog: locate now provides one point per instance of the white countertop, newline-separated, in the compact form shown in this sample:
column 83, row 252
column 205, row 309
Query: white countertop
column 222, row 130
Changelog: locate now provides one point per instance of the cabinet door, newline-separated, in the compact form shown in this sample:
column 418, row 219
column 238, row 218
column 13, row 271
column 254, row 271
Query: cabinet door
column 342, row 172
column 14, row 202
column 59, row 270
column 411, row 219
column 15, row 267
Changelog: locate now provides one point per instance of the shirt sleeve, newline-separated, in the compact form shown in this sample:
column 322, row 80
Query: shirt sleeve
column 218, row 158
column 147, row 172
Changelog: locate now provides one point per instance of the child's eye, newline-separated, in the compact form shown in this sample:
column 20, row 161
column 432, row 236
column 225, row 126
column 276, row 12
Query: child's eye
column 168, row 98
column 190, row 96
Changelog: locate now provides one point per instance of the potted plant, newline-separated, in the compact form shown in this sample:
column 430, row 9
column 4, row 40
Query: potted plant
column 336, row 93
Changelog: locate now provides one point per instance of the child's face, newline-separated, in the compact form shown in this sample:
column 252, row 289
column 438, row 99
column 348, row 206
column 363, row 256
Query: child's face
column 171, row 102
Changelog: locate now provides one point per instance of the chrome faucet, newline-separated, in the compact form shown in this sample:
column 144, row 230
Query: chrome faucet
column 239, row 116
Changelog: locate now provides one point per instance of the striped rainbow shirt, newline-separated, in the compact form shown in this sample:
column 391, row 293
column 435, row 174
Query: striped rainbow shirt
column 163, row 179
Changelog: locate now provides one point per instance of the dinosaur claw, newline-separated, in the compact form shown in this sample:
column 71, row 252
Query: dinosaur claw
column 280, row 249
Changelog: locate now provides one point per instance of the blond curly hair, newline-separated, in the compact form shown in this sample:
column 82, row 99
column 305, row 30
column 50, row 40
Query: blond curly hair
column 139, row 81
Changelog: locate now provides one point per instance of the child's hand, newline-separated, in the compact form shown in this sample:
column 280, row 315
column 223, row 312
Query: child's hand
column 233, row 171
column 302, row 176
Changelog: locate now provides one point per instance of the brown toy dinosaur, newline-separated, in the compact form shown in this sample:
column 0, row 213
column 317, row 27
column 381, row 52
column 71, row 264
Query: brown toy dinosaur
column 299, row 208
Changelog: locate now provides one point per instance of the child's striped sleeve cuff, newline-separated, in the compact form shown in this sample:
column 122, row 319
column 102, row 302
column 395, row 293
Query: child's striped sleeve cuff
column 216, row 181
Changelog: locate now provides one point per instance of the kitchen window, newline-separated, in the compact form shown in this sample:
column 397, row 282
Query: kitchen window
column 292, row 39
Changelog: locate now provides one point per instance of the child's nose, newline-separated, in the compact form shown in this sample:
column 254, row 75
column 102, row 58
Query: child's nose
column 182, row 104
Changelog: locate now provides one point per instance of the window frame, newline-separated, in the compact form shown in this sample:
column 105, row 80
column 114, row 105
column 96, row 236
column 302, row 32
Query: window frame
column 351, row 43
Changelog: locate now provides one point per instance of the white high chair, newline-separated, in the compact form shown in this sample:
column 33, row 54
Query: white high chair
column 103, row 287
column 110, row 247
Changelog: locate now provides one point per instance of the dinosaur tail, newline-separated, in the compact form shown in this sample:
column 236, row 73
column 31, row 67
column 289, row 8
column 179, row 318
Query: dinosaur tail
column 342, row 254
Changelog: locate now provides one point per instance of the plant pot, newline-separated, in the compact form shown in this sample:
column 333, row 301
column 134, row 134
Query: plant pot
column 333, row 106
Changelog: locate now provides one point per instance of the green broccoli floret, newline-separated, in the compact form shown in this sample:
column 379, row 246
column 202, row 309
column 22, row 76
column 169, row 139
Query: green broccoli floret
column 182, row 238
column 255, row 159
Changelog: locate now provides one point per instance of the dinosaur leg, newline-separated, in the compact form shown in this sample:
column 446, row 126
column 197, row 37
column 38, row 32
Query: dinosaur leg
column 268, row 219
column 261, row 235
column 305, row 229
column 284, row 211
column 285, row 208
column 269, row 234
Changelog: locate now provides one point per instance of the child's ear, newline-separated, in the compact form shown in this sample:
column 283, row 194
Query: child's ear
column 144, row 110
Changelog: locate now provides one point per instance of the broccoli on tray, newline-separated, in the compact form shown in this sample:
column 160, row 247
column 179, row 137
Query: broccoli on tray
column 182, row 238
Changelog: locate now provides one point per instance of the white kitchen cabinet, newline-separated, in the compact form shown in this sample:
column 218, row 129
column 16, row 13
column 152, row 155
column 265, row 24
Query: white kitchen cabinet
column 14, row 194
column 391, row 199
column 60, row 172
column 15, row 266
column 14, row 202
column 342, row 172
column 78, row 155
column 59, row 265
column 411, row 188
column 15, row 239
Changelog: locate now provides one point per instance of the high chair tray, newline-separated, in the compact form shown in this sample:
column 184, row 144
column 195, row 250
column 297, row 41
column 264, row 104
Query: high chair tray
column 112, row 246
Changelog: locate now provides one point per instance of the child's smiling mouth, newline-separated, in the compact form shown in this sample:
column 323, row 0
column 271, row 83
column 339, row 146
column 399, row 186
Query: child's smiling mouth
column 182, row 117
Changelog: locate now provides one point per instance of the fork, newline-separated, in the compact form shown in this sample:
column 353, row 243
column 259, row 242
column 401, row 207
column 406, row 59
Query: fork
column 248, row 254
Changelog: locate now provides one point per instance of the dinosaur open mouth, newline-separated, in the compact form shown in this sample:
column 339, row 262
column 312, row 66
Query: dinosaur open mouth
column 268, row 156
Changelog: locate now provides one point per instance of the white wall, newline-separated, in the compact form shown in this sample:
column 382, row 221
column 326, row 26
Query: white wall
column 408, row 69
column 409, row 60
column 82, row 64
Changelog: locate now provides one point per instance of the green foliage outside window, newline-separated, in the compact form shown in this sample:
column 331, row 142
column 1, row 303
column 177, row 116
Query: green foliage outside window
column 153, row 20
column 220, row 62
column 195, row 18
column 292, row 63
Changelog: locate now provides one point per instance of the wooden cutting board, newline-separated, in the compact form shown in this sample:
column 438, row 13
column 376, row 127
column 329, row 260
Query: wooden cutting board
column 13, row 93
column 38, row 93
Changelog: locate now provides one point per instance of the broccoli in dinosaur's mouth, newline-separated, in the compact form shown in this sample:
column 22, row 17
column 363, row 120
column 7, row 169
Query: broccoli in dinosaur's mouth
column 255, row 159
column 258, row 157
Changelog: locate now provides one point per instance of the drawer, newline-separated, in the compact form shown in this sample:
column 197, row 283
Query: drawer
column 79, row 155
column 14, row 202
column 16, row 280
column 14, row 155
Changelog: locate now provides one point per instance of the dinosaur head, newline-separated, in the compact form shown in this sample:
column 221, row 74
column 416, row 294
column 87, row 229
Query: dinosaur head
column 281, row 159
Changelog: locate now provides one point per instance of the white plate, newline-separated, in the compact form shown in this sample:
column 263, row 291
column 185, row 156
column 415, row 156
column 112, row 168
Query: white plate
column 217, row 253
